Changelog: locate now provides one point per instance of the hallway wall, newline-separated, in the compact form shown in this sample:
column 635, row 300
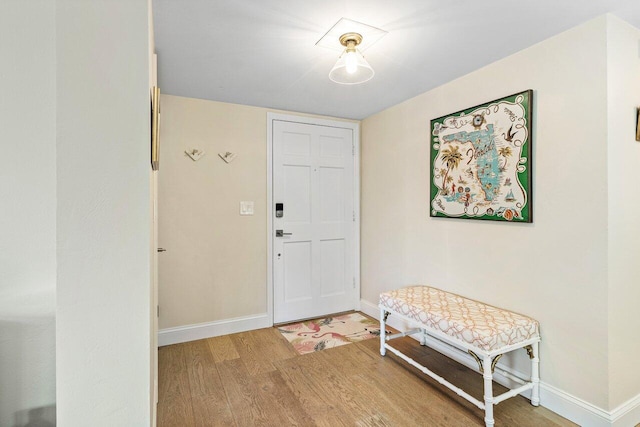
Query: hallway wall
column 554, row 269
column 28, row 211
column 103, row 330
column 215, row 267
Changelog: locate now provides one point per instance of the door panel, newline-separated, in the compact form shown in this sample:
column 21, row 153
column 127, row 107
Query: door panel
column 297, row 271
column 331, row 201
column 297, row 188
column 313, row 266
column 332, row 268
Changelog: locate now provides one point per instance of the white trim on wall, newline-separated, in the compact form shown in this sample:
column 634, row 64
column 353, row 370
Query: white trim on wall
column 270, row 216
column 200, row 331
column 356, row 207
column 627, row 414
column 355, row 127
column 552, row 398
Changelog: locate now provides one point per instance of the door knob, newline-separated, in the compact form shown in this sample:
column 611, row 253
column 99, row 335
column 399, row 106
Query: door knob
column 281, row 233
column 162, row 250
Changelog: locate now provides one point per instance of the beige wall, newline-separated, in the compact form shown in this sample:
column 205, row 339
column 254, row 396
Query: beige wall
column 623, row 49
column 215, row 264
column 215, row 267
column 554, row 269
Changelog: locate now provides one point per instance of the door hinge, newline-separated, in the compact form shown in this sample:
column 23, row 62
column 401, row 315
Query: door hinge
column 157, row 310
column 353, row 148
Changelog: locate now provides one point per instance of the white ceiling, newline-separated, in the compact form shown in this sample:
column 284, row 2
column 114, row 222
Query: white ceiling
column 263, row 53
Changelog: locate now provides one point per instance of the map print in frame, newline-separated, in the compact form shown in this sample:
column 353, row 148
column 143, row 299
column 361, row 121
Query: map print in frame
column 481, row 161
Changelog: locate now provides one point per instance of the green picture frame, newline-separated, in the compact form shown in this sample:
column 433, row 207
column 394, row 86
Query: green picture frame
column 481, row 161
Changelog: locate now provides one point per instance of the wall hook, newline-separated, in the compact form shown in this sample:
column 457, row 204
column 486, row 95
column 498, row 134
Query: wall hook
column 194, row 153
column 227, row 156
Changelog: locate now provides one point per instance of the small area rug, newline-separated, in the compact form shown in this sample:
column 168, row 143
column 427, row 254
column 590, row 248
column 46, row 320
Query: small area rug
column 319, row 334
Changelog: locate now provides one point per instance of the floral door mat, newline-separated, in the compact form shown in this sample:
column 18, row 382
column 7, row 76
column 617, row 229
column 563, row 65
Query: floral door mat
column 319, row 334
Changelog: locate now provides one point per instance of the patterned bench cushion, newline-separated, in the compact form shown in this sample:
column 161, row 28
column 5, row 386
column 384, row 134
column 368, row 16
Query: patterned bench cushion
column 483, row 326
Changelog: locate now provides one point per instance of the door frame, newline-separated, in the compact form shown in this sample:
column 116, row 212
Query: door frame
column 355, row 127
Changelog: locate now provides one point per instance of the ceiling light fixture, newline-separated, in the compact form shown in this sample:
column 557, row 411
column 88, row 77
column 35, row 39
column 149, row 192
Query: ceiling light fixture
column 351, row 67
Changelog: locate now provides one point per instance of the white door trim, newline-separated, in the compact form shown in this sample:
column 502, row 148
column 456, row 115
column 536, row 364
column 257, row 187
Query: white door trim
column 355, row 127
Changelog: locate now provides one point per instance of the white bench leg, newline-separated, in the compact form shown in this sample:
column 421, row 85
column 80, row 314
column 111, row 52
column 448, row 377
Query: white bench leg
column 535, row 375
column 383, row 331
column 423, row 337
column 488, row 391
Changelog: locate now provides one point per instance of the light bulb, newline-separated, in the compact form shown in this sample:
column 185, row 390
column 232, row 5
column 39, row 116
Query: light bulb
column 351, row 67
column 351, row 62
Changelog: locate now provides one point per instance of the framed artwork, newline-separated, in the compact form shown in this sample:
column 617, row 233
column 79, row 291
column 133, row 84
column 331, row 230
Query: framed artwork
column 481, row 161
column 155, row 128
column 638, row 125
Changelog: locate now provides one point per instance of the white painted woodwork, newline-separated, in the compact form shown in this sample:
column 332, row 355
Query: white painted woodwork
column 313, row 175
column 154, row 307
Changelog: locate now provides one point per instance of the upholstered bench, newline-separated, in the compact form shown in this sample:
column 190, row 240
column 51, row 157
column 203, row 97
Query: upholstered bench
column 484, row 331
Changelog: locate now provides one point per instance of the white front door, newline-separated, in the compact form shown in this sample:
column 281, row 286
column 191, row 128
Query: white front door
column 314, row 238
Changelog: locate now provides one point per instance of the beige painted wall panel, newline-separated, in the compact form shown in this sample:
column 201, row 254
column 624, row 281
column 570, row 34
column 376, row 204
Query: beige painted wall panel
column 554, row 269
column 623, row 78
column 215, row 264
column 215, row 267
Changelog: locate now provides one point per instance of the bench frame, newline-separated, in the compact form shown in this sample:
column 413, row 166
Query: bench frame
column 486, row 362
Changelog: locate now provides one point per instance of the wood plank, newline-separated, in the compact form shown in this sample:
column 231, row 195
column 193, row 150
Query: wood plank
column 280, row 398
column 243, row 402
column 222, row 348
column 351, row 359
column 319, row 402
column 326, row 379
column 262, row 399
column 277, row 346
column 374, row 421
column 395, row 390
column 176, row 412
column 397, row 394
column 174, row 395
column 258, row 353
column 173, row 379
column 209, row 401
column 212, row 411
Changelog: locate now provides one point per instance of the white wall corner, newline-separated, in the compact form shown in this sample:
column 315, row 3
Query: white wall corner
column 552, row 398
column 201, row 331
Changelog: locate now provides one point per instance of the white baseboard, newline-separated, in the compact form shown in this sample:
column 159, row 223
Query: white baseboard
column 212, row 329
column 627, row 414
column 573, row 408
column 586, row 414
column 552, row 398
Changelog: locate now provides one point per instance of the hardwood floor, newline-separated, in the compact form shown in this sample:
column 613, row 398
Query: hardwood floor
column 256, row 379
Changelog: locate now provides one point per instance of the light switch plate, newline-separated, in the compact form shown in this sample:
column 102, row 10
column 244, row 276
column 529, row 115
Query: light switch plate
column 246, row 208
